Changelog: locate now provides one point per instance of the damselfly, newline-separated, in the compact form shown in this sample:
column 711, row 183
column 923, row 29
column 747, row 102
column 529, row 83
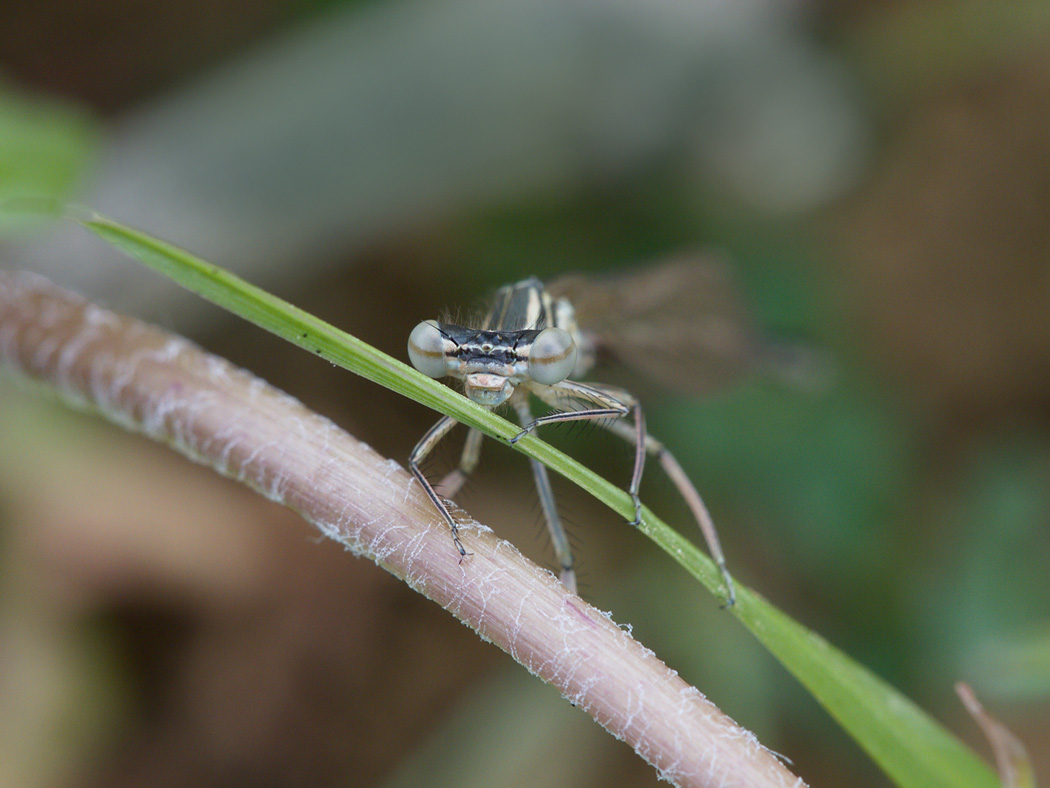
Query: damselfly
column 679, row 322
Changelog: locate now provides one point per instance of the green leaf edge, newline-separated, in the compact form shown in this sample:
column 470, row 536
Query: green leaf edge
column 911, row 747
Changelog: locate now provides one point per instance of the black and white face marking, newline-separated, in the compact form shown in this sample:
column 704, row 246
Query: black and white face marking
column 519, row 344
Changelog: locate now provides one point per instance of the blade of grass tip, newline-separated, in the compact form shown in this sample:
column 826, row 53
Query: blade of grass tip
column 910, row 746
column 287, row 321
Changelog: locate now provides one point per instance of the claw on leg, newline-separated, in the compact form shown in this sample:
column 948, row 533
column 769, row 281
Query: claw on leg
column 568, row 578
column 637, row 511
column 522, row 434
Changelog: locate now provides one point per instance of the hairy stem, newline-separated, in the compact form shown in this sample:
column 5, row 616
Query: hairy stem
column 163, row 386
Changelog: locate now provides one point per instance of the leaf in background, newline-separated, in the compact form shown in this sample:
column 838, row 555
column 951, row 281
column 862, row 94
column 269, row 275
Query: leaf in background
column 45, row 147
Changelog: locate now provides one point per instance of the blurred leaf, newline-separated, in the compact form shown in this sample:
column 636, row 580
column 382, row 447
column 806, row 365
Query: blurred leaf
column 45, row 147
column 1016, row 666
column 989, row 585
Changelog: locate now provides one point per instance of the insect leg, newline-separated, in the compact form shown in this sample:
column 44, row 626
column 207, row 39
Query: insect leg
column 567, row 392
column 426, row 445
column 610, row 403
column 559, row 539
column 688, row 492
column 468, row 461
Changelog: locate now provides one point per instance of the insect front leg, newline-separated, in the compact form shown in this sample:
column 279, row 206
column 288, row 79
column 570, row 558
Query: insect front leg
column 559, row 539
column 426, row 445
column 604, row 403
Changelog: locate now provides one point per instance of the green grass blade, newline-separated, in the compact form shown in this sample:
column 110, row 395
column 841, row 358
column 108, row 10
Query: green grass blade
column 909, row 745
column 318, row 337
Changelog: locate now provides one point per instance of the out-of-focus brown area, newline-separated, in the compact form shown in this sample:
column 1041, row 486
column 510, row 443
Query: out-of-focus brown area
column 241, row 676
column 948, row 247
column 161, row 626
column 112, row 53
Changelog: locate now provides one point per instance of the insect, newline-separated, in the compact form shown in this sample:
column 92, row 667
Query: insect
column 679, row 323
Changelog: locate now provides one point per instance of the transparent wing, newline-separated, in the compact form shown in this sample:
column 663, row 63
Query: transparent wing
column 680, row 323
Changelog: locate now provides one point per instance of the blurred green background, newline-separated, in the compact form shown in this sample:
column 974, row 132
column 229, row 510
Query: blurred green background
column 879, row 175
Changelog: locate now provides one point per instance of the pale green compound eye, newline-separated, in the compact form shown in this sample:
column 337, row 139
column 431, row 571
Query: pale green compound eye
column 552, row 357
column 426, row 349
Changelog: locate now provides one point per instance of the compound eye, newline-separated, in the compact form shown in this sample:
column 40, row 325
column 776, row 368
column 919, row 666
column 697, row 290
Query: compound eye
column 426, row 349
column 552, row 357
